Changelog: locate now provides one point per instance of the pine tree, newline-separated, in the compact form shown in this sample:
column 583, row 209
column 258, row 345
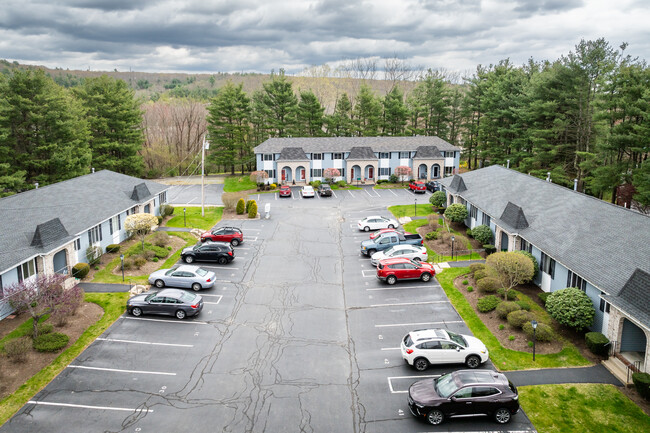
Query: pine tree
column 280, row 105
column 310, row 115
column 339, row 124
column 367, row 113
column 395, row 113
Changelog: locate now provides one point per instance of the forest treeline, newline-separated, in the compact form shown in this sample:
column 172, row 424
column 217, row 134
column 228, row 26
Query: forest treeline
column 584, row 116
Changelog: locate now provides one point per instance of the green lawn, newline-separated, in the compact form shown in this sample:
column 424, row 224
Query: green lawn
column 503, row 359
column 238, row 183
column 581, row 408
column 113, row 305
column 391, row 186
column 408, row 210
column 348, row 186
column 193, row 218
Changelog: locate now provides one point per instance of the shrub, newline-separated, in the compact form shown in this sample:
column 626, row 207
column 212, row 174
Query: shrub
column 44, row 328
column 530, row 344
column 488, row 284
column 543, row 296
column 139, row 261
column 456, row 212
column 517, row 318
column 438, row 199
column 533, row 259
column 468, row 232
column 128, row 263
column 542, row 333
column 487, row 303
column 241, row 206
column 50, row 342
column 470, row 288
column 642, row 384
column 431, row 236
column 93, row 253
column 230, row 199
column 524, row 305
column 148, row 254
column 159, row 219
column 465, row 282
column 489, row 249
column 252, row 210
column 502, row 326
column 80, row 270
column 155, row 259
column 96, row 267
column 480, row 274
column 165, row 210
column 571, row 307
column 160, row 239
column 476, row 267
column 17, row 348
column 112, row 248
column 597, row 343
column 393, row 178
column 433, row 221
column 506, row 308
column 511, row 337
column 342, row 183
column 248, row 205
column 512, row 293
column 482, row 233
column 159, row 252
column 273, row 186
column 169, row 248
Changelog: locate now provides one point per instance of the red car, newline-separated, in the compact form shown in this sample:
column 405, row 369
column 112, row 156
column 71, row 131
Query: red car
column 391, row 270
column 285, row 191
column 418, row 186
column 224, row 234
column 382, row 231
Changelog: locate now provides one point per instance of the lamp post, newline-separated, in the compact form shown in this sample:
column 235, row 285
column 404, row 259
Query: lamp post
column 453, row 238
column 184, row 220
column 122, row 260
column 534, row 323
column 415, row 207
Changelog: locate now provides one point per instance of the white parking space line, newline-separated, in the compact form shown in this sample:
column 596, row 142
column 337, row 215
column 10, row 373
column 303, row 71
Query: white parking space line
column 417, row 324
column 334, row 194
column 214, row 303
column 175, row 322
column 253, row 230
column 250, row 239
column 212, row 296
column 390, row 348
column 409, row 303
column 392, row 192
column 390, row 384
column 373, row 273
column 351, row 193
column 115, row 340
column 85, row 406
column 399, row 288
column 117, row 370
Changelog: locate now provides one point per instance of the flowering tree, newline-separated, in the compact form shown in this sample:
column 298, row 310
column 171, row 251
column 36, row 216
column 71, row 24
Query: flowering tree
column 259, row 176
column 43, row 295
column 330, row 173
column 403, row 171
column 140, row 224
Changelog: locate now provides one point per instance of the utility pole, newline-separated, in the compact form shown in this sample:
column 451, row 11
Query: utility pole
column 203, row 146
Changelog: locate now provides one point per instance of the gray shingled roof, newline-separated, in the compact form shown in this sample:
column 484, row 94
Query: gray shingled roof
column 601, row 242
column 361, row 153
column 344, row 144
column 457, row 184
column 514, row 216
column 427, row 152
column 39, row 220
column 634, row 298
column 292, row 154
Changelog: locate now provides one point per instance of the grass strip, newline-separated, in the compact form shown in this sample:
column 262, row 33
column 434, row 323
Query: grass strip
column 113, row 305
column 408, row 210
column 193, row 218
column 238, row 183
column 581, row 407
column 503, row 359
column 190, row 241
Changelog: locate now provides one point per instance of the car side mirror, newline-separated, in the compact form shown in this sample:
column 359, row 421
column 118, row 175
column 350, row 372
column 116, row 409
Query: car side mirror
column 457, row 348
column 453, row 398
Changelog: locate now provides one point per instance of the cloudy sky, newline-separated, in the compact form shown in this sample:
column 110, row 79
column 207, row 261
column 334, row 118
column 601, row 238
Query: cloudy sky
column 261, row 35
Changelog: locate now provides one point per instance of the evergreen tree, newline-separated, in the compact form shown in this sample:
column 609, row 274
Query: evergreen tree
column 43, row 131
column 280, row 105
column 395, row 113
column 115, row 121
column 339, row 123
column 310, row 115
column 472, row 114
column 367, row 113
column 435, row 96
column 228, row 127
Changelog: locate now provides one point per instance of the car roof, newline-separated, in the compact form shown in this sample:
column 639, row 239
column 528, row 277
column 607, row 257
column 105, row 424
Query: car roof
column 396, row 260
column 190, row 268
column 227, row 227
column 211, row 242
column 480, row 377
column 308, row 187
column 428, row 334
column 170, row 292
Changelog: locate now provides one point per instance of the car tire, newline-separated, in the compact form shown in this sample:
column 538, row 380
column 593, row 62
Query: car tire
column 188, row 259
column 222, row 260
column 417, row 259
column 137, row 311
column 234, row 242
column 391, row 279
column 371, row 252
column 435, row 417
column 425, row 277
column 159, row 283
column 196, row 287
column 472, row 361
column 390, row 226
column 366, row 229
column 421, row 364
column 502, row 415
column 180, row 314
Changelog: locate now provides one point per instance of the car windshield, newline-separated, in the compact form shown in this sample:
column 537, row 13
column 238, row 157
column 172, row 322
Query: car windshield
column 187, row 297
column 457, row 338
column 150, row 296
column 325, row 186
column 169, row 272
column 202, row 272
column 445, row 385
column 416, row 263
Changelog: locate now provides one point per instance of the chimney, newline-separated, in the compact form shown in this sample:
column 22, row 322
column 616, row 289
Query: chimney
column 548, row 176
column 575, row 184
column 508, row 165
column 35, row 185
column 92, row 169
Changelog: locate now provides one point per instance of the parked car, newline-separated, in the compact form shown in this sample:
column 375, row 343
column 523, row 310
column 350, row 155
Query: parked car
column 220, row 252
column 376, row 222
column 171, row 302
column 185, row 277
column 464, row 393
column 285, row 191
column 418, row 187
column 424, row 347
column 382, row 231
column 414, row 252
column 389, row 240
column 324, row 189
column 393, row 270
column 433, row 186
column 307, row 191
column 233, row 235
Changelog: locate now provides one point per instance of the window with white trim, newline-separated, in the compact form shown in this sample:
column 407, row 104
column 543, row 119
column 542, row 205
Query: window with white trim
column 95, row 234
column 316, row 172
column 449, row 171
column 337, row 155
column 271, row 173
column 574, row 280
column 604, row 305
column 473, row 211
column 404, row 155
column 486, row 219
column 317, row 156
column 525, row 246
column 114, row 224
column 162, row 197
column 268, row 157
column 27, row 270
column 547, row 265
column 384, row 171
column 384, row 155
column 77, row 244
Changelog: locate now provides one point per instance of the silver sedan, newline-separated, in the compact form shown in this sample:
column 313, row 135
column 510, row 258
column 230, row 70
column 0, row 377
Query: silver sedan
column 186, row 277
column 414, row 252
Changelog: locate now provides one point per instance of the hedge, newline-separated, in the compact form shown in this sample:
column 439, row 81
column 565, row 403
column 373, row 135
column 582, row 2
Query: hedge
column 80, row 270
column 112, row 248
column 642, row 384
column 597, row 343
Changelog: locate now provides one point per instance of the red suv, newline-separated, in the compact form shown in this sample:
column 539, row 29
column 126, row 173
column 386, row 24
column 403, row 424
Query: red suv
column 224, row 234
column 417, row 186
column 391, row 270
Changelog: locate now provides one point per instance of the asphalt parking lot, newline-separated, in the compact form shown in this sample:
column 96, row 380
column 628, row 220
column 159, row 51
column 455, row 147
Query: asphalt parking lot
column 298, row 335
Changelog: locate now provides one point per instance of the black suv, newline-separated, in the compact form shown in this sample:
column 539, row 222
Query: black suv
column 220, row 252
column 324, row 189
column 433, row 186
column 464, row 393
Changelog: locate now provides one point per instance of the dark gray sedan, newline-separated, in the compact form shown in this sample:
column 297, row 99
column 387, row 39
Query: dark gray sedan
column 170, row 302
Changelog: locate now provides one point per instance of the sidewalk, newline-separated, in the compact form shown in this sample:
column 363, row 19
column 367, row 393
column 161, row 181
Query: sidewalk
column 104, row 287
column 553, row 376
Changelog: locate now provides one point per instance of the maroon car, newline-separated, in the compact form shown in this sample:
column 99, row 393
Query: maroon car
column 394, row 269
column 233, row 235
column 285, row 191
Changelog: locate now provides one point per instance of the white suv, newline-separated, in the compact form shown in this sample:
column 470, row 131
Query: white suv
column 424, row 347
